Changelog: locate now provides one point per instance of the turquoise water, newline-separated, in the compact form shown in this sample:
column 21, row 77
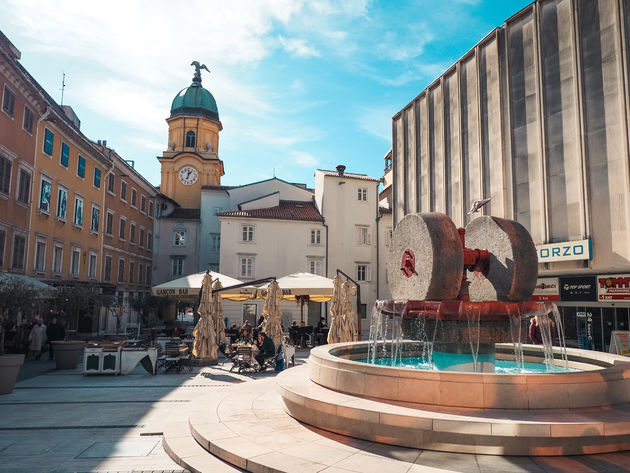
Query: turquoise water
column 500, row 366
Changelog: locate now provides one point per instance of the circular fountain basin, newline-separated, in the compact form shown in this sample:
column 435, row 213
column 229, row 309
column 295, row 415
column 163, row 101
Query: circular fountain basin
column 574, row 413
column 604, row 380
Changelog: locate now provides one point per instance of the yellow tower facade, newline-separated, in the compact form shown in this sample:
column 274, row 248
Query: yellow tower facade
column 191, row 159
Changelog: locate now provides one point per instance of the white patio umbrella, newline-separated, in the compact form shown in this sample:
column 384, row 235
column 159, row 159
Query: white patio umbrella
column 272, row 325
column 302, row 287
column 189, row 286
column 336, row 310
column 205, row 346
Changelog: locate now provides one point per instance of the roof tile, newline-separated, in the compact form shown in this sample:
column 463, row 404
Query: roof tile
column 287, row 210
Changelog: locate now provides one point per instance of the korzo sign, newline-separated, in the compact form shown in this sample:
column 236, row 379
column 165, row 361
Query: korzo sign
column 565, row 251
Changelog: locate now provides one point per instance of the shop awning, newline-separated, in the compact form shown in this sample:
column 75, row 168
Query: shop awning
column 188, row 287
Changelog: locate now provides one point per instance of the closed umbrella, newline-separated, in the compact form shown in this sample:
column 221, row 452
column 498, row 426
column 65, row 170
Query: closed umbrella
column 336, row 310
column 347, row 332
column 205, row 346
column 217, row 313
column 272, row 325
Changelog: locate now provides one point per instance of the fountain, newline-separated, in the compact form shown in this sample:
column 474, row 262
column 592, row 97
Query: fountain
column 461, row 303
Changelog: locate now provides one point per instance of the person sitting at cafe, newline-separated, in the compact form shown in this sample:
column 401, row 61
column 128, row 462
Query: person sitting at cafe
column 294, row 333
column 176, row 332
column 266, row 349
column 246, row 326
column 321, row 332
column 246, row 336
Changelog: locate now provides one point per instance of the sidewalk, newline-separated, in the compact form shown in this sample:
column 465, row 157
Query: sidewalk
column 64, row 422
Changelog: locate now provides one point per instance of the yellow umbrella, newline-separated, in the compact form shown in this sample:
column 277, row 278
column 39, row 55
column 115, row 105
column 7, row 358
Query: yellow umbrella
column 217, row 313
column 347, row 333
column 272, row 314
column 205, row 346
column 336, row 310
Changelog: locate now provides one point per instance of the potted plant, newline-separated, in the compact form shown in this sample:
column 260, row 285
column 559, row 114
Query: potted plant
column 15, row 295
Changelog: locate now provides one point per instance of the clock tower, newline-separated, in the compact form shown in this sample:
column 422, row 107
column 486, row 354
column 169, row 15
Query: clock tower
column 191, row 159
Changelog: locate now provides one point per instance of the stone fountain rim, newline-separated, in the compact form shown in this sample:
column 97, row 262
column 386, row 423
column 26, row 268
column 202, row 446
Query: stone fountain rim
column 604, row 363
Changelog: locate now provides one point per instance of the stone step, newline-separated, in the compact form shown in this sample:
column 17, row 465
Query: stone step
column 247, row 425
column 182, row 447
column 499, row 431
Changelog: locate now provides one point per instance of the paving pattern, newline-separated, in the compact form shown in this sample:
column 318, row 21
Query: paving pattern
column 248, row 427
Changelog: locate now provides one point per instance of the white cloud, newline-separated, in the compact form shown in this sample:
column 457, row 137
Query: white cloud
column 298, row 47
column 304, row 159
column 377, row 121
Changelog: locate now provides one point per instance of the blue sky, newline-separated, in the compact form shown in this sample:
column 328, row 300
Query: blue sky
column 300, row 85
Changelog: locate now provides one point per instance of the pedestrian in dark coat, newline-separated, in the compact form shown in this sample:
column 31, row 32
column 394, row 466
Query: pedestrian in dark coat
column 54, row 332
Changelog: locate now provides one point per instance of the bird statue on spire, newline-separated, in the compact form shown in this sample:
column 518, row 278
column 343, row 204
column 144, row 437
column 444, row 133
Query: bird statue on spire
column 198, row 67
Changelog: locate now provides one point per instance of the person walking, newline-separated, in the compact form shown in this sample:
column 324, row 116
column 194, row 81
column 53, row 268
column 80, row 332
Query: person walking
column 37, row 338
column 54, row 332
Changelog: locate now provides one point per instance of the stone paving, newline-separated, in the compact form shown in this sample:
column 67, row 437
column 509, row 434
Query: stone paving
column 64, row 422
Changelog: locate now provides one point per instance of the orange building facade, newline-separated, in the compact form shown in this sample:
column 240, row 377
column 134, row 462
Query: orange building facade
column 72, row 211
column 21, row 109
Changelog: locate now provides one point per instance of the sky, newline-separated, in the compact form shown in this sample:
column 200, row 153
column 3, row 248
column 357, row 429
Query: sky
column 300, row 84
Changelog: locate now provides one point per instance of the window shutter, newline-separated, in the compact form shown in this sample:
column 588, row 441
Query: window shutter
column 368, row 272
column 368, row 240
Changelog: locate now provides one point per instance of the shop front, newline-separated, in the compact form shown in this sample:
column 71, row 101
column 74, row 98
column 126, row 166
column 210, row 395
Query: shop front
column 591, row 307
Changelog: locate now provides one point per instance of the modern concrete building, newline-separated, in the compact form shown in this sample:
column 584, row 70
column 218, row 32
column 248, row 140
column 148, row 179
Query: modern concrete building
column 536, row 117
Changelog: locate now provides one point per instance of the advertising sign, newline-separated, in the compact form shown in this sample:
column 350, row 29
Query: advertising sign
column 547, row 289
column 583, row 288
column 620, row 343
column 615, row 287
column 565, row 251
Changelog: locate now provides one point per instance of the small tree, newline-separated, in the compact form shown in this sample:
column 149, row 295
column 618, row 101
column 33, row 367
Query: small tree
column 150, row 307
column 15, row 296
column 70, row 302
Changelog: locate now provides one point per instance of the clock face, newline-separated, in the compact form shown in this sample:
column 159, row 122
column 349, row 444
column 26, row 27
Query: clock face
column 188, row 175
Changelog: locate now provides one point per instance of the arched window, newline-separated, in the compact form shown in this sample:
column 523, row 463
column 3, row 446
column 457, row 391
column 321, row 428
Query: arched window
column 191, row 139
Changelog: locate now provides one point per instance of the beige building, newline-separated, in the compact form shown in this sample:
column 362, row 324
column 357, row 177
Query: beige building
column 536, row 117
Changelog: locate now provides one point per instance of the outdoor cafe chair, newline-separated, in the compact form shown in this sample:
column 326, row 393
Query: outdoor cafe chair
column 174, row 358
column 244, row 359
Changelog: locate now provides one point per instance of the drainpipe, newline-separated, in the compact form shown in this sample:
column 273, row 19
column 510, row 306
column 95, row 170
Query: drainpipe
column 326, row 226
column 378, row 218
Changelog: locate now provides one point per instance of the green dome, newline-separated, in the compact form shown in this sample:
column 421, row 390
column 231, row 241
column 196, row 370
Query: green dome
column 195, row 100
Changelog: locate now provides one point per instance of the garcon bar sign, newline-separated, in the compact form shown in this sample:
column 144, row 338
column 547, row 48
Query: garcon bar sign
column 565, row 251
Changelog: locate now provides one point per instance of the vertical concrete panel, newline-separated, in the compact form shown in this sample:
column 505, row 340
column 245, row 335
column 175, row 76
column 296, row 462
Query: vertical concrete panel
column 605, row 132
column 524, row 115
column 436, row 129
column 399, row 169
column 470, row 133
column 491, row 138
column 564, row 169
column 410, row 142
column 425, row 159
column 452, row 150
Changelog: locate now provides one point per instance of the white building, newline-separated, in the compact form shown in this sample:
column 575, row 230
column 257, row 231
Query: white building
column 349, row 204
column 273, row 229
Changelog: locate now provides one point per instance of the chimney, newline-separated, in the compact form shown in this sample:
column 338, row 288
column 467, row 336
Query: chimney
column 340, row 169
column 67, row 109
column 105, row 143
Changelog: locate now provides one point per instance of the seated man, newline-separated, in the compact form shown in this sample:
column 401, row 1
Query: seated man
column 294, row 333
column 266, row 349
column 321, row 332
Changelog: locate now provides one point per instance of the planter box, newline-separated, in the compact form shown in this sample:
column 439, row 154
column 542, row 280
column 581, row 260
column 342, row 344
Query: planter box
column 67, row 354
column 9, row 369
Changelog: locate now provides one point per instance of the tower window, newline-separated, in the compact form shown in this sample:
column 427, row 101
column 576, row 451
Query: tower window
column 191, row 139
